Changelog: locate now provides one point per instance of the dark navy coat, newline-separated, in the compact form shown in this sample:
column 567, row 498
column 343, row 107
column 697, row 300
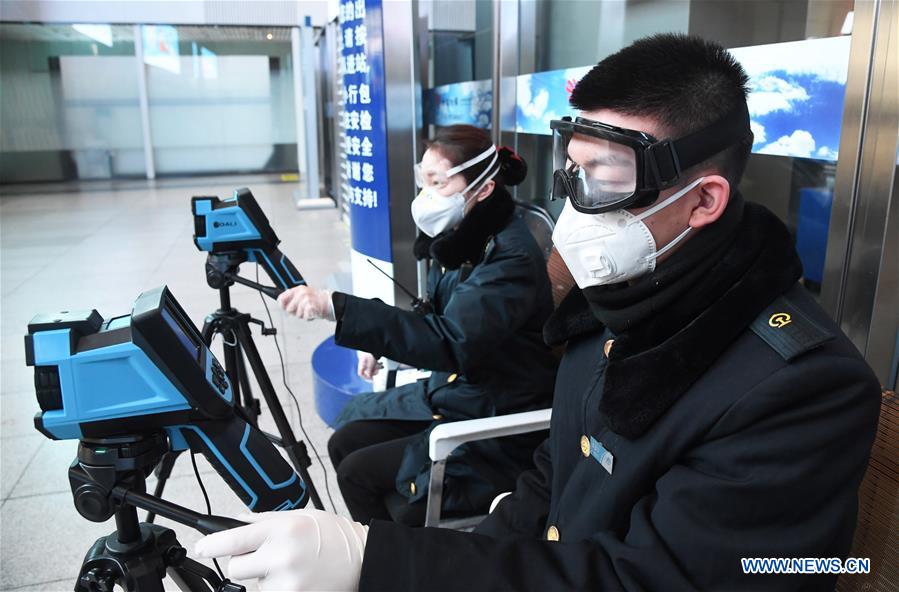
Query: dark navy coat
column 483, row 341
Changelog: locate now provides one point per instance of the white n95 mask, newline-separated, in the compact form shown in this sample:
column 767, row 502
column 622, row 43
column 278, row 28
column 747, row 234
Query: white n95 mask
column 433, row 213
column 613, row 246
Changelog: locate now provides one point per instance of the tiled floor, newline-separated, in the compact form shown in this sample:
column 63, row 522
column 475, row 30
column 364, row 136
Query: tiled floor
column 100, row 250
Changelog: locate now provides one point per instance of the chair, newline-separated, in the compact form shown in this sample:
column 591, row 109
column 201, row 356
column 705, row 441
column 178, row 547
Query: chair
column 539, row 222
column 877, row 528
column 446, row 437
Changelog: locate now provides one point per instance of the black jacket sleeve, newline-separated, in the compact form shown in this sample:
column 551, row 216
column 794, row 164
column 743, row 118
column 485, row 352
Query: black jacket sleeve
column 524, row 512
column 496, row 300
column 776, row 477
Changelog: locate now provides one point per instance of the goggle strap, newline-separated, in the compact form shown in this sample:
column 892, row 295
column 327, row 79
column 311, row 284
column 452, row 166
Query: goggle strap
column 672, row 157
column 488, row 178
column 481, row 176
column 469, row 163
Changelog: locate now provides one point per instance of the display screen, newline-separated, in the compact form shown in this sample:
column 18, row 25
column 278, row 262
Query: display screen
column 187, row 337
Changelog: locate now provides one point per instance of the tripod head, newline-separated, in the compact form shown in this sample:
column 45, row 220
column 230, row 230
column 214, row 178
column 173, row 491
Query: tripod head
column 108, row 478
column 119, row 381
column 235, row 231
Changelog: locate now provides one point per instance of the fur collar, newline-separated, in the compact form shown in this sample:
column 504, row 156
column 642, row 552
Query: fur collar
column 652, row 365
column 466, row 242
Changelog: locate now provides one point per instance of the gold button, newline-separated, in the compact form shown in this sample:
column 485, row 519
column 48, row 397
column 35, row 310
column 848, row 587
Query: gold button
column 412, row 487
column 452, row 378
column 608, row 347
column 552, row 534
column 585, row 446
column 437, row 417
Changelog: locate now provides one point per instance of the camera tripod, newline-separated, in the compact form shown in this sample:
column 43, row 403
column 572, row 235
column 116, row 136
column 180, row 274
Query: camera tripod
column 234, row 327
column 107, row 480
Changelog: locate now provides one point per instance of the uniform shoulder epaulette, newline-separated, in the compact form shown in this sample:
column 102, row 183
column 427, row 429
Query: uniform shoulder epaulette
column 788, row 330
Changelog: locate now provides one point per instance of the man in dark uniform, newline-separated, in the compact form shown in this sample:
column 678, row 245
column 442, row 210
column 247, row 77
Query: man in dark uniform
column 706, row 409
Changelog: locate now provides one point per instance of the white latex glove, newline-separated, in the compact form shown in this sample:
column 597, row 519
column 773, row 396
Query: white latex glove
column 307, row 303
column 368, row 365
column 299, row 550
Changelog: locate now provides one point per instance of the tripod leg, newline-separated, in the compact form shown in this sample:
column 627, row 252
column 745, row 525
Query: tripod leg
column 163, row 471
column 251, row 405
column 296, row 451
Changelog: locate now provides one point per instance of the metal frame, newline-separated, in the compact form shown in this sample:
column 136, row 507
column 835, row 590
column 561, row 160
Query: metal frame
column 305, row 72
column 495, row 114
column 424, row 69
column 402, row 73
column 882, row 345
column 506, row 90
column 298, row 98
column 858, row 268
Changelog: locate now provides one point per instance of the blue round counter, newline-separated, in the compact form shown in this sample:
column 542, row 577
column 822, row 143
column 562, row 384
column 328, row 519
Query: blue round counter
column 334, row 379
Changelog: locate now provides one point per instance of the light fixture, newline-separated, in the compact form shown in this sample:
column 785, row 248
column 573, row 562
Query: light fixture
column 101, row 33
column 269, row 36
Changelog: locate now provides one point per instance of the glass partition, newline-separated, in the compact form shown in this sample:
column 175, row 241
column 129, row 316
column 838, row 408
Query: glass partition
column 221, row 99
column 460, row 40
column 70, row 107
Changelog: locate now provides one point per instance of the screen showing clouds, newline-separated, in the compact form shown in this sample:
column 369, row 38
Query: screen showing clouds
column 796, row 96
column 795, row 102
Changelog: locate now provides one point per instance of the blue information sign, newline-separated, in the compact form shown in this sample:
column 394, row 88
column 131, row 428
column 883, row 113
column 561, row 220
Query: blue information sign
column 361, row 63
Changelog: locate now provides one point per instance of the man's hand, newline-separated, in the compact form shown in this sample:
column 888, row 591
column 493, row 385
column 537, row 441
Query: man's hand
column 307, row 303
column 299, row 550
column 368, row 365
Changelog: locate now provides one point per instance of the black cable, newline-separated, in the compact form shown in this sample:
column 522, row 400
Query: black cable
column 296, row 403
column 193, row 461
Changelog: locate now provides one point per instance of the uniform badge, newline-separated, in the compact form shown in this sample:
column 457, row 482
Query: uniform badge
column 601, row 455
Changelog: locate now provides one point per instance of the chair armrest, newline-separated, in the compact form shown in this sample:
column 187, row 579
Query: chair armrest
column 447, row 436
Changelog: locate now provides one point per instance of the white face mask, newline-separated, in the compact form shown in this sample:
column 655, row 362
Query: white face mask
column 434, row 213
column 613, row 246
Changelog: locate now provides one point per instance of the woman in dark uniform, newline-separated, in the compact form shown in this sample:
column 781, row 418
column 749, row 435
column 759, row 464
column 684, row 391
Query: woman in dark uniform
column 489, row 296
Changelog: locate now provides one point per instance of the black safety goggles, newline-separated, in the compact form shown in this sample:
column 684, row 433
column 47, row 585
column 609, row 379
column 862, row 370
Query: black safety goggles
column 600, row 167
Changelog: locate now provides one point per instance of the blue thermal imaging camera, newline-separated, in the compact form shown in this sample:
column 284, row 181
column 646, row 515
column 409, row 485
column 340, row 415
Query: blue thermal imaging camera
column 149, row 372
column 236, row 230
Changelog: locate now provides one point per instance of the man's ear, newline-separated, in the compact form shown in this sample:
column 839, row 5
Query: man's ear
column 486, row 191
column 714, row 195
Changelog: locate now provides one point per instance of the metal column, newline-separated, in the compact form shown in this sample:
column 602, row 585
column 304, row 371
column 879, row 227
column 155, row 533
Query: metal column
column 143, row 97
column 402, row 72
column 306, row 97
column 859, row 269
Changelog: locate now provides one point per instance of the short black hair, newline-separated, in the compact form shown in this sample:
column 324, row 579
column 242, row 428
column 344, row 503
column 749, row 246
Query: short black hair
column 683, row 82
